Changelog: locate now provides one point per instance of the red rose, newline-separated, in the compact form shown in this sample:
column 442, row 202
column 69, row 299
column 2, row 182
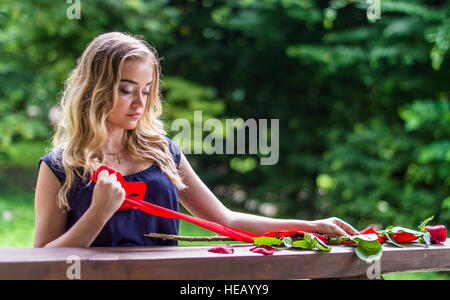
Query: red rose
column 438, row 233
column 400, row 237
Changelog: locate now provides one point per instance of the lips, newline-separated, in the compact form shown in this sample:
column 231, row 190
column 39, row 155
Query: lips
column 135, row 116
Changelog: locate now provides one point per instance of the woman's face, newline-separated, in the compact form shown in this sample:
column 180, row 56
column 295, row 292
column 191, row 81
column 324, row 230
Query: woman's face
column 134, row 88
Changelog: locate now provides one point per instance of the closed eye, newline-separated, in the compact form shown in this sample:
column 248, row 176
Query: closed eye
column 130, row 92
column 125, row 91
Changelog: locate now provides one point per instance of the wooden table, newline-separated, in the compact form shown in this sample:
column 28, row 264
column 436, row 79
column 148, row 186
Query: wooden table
column 195, row 262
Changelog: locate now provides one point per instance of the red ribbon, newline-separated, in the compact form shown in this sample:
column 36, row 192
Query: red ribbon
column 134, row 190
column 134, row 199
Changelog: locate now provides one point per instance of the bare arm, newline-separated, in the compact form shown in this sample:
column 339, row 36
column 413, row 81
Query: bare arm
column 200, row 201
column 50, row 220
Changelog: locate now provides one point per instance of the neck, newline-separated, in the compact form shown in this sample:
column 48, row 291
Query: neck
column 115, row 142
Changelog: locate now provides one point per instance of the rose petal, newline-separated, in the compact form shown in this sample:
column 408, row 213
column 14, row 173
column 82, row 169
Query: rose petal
column 370, row 230
column 403, row 237
column 221, row 249
column 266, row 250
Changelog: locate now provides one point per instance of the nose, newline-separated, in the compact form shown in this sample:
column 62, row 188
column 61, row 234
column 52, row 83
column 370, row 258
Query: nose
column 140, row 100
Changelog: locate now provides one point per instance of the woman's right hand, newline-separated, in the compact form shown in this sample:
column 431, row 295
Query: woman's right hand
column 108, row 195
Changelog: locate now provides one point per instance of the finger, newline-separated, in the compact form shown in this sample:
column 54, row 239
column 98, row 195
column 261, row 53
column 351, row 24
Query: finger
column 112, row 177
column 346, row 227
column 103, row 174
column 119, row 190
column 118, row 185
column 339, row 231
column 123, row 193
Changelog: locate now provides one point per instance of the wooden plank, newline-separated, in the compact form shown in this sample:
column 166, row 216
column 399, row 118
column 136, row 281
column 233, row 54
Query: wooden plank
column 195, row 262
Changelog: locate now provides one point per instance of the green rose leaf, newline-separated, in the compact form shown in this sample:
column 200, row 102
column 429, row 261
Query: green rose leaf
column 364, row 237
column 336, row 240
column 306, row 243
column 303, row 244
column 368, row 250
column 267, row 241
column 398, row 229
column 319, row 244
column 424, row 223
column 287, row 241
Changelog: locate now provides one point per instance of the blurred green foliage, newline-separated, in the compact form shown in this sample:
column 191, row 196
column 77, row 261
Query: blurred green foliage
column 363, row 104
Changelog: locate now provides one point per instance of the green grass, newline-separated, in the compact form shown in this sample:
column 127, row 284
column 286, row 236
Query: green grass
column 16, row 220
column 18, row 173
column 418, row 276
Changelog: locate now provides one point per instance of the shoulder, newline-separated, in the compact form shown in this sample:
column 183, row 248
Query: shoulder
column 53, row 160
column 175, row 150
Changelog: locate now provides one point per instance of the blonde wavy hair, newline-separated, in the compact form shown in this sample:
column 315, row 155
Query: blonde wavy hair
column 90, row 93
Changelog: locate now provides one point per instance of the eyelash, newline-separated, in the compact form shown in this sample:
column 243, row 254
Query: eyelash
column 129, row 92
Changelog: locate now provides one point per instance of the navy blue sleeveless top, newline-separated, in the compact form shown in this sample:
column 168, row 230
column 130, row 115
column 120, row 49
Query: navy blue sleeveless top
column 127, row 227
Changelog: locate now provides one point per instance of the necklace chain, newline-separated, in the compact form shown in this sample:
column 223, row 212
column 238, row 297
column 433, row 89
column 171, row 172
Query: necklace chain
column 116, row 156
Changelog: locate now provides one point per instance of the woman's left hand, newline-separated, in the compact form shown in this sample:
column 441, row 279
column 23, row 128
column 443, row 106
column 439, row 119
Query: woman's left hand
column 333, row 226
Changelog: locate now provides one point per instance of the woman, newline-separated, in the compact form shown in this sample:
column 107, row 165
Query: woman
column 110, row 111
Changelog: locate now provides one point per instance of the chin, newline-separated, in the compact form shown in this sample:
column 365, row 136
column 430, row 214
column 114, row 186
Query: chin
column 126, row 125
column 130, row 126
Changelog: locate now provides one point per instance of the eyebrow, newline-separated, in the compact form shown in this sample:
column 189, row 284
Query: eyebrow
column 133, row 82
